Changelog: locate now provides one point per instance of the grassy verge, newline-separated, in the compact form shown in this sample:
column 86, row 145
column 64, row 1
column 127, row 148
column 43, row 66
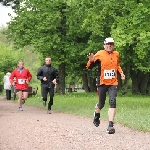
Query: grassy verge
column 132, row 111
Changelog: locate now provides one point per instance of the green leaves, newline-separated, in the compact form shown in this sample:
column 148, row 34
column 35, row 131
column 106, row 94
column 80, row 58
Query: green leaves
column 8, row 59
column 132, row 30
column 68, row 30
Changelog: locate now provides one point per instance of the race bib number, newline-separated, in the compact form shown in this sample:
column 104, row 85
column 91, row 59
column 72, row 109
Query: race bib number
column 109, row 74
column 21, row 81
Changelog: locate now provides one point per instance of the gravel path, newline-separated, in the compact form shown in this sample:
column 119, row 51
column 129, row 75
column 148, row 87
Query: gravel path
column 33, row 129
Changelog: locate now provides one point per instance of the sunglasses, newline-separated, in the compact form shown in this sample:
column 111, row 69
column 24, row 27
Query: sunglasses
column 109, row 43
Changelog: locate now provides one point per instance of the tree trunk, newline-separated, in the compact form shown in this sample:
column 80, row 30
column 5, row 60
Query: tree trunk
column 60, row 89
column 94, row 87
column 124, row 83
column 135, row 86
column 62, row 30
column 85, row 82
column 91, row 83
column 148, row 86
column 139, row 82
column 143, row 82
column 119, row 82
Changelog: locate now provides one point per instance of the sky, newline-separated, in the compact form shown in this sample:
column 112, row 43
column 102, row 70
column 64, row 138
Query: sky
column 4, row 15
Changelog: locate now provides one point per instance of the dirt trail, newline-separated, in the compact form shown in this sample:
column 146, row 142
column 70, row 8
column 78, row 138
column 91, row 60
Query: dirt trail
column 33, row 129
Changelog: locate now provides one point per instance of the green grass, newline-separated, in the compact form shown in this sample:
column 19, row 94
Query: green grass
column 132, row 111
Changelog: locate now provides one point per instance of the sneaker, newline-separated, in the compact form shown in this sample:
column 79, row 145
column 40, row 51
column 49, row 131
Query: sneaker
column 23, row 101
column 48, row 111
column 110, row 130
column 20, row 108
column 96, row 120
column 44, row 103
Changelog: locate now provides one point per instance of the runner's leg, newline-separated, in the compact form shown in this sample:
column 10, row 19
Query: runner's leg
column 44, row 92
column 112, row 101
column 20, row 99
column 112, row 110
column 51, row 93
column 24, row 96
column 102, row 97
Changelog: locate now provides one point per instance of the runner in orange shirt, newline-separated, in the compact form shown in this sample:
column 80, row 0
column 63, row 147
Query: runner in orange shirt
column 109, row 66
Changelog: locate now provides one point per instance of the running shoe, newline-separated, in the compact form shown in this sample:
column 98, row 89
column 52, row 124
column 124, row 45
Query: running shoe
column 20, row 108
column 110, row 130
column 48, row 111
column 96, row 120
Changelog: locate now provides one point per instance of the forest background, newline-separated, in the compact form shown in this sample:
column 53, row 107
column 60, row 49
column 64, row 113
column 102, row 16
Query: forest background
column 67, row 30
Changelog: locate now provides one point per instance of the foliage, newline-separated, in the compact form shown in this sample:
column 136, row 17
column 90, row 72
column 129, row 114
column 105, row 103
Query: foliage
column 132, row 34
column 32, row 62
column 10, row 57
column 8, row 60
column 53, row 29
column 68, row 30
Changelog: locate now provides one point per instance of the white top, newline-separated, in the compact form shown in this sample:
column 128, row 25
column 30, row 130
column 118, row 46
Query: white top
column 7, row 85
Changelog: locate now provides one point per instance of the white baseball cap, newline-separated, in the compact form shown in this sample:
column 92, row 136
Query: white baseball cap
column 109, row 40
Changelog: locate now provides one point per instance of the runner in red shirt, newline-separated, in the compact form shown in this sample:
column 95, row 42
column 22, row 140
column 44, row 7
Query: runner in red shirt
column 22, row 78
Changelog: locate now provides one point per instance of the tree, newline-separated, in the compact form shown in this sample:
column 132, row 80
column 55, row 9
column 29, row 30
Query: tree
column 52, row 28
column 132, row 35
column 8, row 60
column 69, row 30
column 127, row 22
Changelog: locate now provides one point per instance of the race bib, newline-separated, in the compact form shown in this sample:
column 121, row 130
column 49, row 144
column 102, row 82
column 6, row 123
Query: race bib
column 21, row 81
column 109, row 74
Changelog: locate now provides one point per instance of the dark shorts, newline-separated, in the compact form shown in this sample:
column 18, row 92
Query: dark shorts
column 17, row 90
column 112, row 91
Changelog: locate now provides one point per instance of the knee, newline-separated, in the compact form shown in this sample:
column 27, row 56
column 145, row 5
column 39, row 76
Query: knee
column 20, row 97
column 25, row 98
column 100, row 105
column 44, row 98
column 113, row 103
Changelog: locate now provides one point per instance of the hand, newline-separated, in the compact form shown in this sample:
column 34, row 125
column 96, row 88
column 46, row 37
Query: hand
column 91, row 57
column 13, row 84
column 54, row 81
column 27, row 81
column 44, row 79
column 122, row 76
